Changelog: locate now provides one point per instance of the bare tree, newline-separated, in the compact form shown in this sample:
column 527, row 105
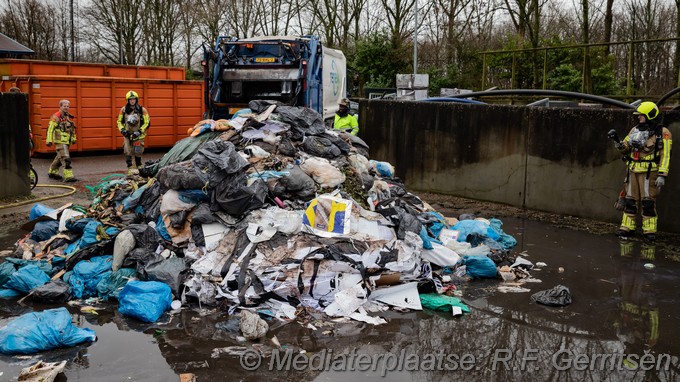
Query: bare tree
column 161, row 29
column 608, row 20
column 213, row 18
column 399, row 14
column 187, row 21
column 114, row 29
column 27, row 22
column 526, row 17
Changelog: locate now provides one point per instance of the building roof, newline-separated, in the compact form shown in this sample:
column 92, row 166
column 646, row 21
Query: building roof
column 9, row 46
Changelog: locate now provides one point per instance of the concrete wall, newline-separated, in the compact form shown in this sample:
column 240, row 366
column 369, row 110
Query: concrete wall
column 549, row 159
column 14, row 146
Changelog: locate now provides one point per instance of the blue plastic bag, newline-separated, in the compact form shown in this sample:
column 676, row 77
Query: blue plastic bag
column 193, row 196
column 39, row 210
column 112, row 284
column 87, row 274
column 27, row 278
column 133, row 199
column 45, row 230
column 384, row 169
column 9, row 293
column 38, row 331
column 480, row 267
column 145, row 300
column 162, row 230
column 505, row 240
column 44, row 265
column 6, row 271
column 467, row 227
column 89, row 236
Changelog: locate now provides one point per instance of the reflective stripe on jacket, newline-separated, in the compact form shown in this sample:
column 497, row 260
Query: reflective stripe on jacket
column 61, row 130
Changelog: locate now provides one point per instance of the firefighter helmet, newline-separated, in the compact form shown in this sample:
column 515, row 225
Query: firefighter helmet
column 648, row 109
column 131, row 94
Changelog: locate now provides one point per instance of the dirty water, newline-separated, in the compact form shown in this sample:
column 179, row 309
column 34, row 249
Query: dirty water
column 620, row 309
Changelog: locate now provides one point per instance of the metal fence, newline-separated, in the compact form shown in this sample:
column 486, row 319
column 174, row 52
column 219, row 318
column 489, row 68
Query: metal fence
column 640, row 78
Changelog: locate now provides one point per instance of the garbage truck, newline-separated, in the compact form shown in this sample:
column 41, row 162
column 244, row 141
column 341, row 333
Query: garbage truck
column 297, row 71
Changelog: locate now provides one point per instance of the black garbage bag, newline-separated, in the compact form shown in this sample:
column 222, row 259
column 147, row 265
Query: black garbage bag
column 44, row 230
column 202, row 215
column 145, row 236
column 260, row 105
column 286, row 147
column 223, row 156
column 55, row 291
column 407, row 223
column 102, row 248
column 148, row 170
column 339, row 142
column 197, row 235
column 302, row 119
column 557, row 296
column 320, row 147
column 182, row 176
column 131, row 218
column 299, row 183
column 178, row 219
column 170, row 271
column 357, row 143
column 219, row 159
column 150, row 201
column 140, row 259
column 235, row 198
column 367, row 180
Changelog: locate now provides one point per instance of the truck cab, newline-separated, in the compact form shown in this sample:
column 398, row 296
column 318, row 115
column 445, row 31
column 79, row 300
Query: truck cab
column 297, row 71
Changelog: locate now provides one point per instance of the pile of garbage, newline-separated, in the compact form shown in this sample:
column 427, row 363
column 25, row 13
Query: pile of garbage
column 269, row 213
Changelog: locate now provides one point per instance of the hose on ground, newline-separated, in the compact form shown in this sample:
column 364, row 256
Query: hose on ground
column 71, row 192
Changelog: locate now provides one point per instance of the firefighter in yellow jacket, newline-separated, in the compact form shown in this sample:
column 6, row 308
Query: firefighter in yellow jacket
column 133, row 121
column 647, row 150
column 344, row 120
column 61, row 132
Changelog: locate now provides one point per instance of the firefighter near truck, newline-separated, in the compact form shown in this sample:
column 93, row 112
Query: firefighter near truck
column 296, row 71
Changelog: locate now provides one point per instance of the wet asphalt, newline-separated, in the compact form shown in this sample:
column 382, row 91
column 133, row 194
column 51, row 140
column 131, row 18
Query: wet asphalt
column 624, row 311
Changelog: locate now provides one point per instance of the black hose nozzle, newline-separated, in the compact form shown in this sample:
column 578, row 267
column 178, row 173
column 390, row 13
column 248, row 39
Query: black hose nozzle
column 613, row 135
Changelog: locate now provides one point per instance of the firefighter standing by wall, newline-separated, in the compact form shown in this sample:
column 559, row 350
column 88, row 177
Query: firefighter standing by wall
column 61, row 132
column 648, row 151
column 133, row 121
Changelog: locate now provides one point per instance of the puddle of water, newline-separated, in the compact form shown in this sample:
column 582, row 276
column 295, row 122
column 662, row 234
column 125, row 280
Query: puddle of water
column 619, row 307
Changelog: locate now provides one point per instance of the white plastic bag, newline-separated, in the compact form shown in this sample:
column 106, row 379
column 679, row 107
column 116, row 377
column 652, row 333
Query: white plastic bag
column 323, row 172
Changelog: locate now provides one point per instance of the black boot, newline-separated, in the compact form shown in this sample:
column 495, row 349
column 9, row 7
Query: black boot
column 622, row 233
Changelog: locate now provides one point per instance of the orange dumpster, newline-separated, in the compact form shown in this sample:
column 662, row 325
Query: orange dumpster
column 97, row 92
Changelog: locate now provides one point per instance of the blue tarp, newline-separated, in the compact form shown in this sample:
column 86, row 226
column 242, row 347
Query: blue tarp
column 87, row 274
column 38, row 331
column 145, row 300
column 27, row 278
